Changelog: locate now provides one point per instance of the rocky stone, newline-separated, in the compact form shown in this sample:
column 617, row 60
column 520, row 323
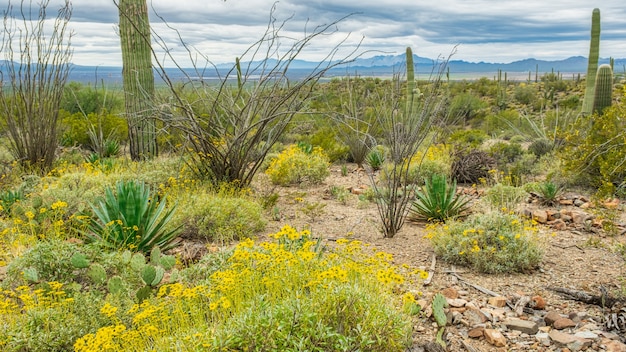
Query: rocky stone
column 450, row 292
column 474, row 316
column 563, row 323
column 495, row 337
column 613, row 346
column 540, row 216
column 537, row 302
column 543, row 338
column 498, row 301
column 586, row 335
column 525, row 326
column 551, row 317
column 561, row 337
column 611, row 203
column 579, row 202
column 457, row 302
column 586, row 205
column 476, row 332
column 566, row 202
column 558, row 224
column 552, row 214
column 579, row 217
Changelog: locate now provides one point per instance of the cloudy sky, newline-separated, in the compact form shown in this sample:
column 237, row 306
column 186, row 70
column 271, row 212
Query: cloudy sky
column 484, row 30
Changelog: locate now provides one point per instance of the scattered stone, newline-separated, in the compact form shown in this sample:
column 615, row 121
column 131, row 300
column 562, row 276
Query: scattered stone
column 586, row 335
column 498, row 301
column 525, row 326
column 495, row 337
column 538, row 302
column 611, row 203
column 564, row 323
column 551, row 317
column 543, row 338
column 540, row 216
column 579, row 217
column 476, row 332
column 578, row 202
column 474, row 316
column 586, row 205
column 450, row 292
column 558, row 224
column 457, row 302
column 613, row 346
column 561, row 337
column 566, row 202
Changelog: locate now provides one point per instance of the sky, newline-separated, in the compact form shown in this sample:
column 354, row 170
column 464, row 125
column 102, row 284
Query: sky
column 498, row 31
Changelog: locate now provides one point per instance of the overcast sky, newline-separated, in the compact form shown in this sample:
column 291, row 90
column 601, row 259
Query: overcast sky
column 484, row 30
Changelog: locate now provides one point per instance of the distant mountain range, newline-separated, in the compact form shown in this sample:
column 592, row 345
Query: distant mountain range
column 383, row 66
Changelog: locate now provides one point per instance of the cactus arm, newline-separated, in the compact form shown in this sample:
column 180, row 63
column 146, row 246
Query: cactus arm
column 603, row 90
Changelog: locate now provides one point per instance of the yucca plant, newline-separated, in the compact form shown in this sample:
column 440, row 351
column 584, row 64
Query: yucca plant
column 375, row 158
column 438, row 201
column 549, row 192
column 132, row 219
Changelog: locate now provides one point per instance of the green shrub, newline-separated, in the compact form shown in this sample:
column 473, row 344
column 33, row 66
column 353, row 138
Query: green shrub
column 466, row 106
column 294, row 166
column 337, row 299
column 75, row 128
column 540, row 147
column 438, row 201
column 218, row 217
column 549, row 192
column 502, row 196
column 505, row 153
column 492, row 243
column 468, row 138
column 424, row 164
column 132, row 219
column 525, row 94
column 326, row 139
column 595, row 150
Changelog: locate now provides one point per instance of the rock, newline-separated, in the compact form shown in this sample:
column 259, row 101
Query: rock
column 543, row 338
column 586, row 205
column 537, row 302
column 551, row 317
column 561, row 337
column 474, row 316
column 495, row 337
column 457, row 302
column 579, row 217
column 450, row 292
column 586, row 335
column 553, row 215
column 579, row 202
column 566, row 202
column 564, row 323
column 476, row 332
column 525, row 326
column 540, row 216
column 579, row 344
column 558, row 224
column 498, row 301
column 613, row 346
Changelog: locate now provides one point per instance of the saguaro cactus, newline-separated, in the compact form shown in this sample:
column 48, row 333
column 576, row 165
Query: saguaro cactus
column 138, row 77
column 592, row 66
column 603, row 90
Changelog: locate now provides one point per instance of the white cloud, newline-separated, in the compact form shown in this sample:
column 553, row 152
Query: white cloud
column 486, row 30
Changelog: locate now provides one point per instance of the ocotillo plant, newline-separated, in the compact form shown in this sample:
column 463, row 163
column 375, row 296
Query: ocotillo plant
column 603, row 90
column 592, row 66
column 138, row 77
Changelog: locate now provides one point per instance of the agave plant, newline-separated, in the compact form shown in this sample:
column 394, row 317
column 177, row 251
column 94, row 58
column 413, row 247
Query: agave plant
column 438, row 201
column 375, row 158
column 549, row 192
column 132, row 219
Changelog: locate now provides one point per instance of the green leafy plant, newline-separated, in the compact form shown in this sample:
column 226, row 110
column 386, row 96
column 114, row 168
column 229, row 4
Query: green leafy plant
column 375, row 158
column 131, row 218
column 549, row 192
column 438, row 201
column 495, row 242
column 295, row 166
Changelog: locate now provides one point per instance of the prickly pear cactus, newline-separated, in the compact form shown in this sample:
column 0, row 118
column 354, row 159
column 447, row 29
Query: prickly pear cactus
column 438, row 305
column 143, row 293
column 138, row 261
column 167, row 262
column 79, row 260
column 97, row 273
column 155, row 255
column 148, row 274
column 116, row 285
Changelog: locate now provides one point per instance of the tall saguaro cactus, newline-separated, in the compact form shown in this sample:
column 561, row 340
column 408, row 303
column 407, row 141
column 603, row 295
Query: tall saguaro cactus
column 138, row 77
column 592, row 66
column 603, row 91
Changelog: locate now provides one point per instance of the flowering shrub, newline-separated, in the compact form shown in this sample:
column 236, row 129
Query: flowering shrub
column 295, row 165
column 493, row 243
column 279, row 295
column 424, row 164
